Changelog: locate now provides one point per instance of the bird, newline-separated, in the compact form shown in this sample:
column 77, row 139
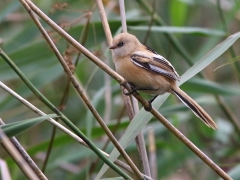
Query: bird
column 147, row 71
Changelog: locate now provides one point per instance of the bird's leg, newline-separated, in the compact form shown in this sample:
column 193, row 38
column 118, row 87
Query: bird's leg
column 150, row 103
column 151, row 100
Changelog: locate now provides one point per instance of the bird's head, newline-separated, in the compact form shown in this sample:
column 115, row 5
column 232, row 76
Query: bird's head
column 124, row 44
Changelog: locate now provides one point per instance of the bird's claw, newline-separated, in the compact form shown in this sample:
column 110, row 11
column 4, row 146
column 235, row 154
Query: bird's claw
column 129, row 92
column 149, row 107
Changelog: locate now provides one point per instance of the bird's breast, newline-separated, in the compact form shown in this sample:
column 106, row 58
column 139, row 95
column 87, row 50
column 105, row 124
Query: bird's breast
column 142, row 78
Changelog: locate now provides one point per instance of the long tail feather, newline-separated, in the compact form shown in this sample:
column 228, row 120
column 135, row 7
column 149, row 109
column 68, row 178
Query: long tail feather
column 197, row 109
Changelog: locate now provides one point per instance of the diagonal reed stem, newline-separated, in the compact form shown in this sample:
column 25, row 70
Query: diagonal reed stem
column 84, row 97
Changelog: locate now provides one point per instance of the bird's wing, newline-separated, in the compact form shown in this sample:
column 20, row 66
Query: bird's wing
column 155, row 63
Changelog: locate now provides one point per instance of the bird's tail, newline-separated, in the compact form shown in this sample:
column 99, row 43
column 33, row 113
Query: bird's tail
column 197, row 109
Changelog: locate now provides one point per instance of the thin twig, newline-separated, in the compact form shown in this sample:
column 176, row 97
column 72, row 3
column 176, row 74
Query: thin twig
column 152, row 154
column 83, row 36
column 140, row 138
column 17, row 157
column 219, row 99
column 126, row 99
column 143, row 153
column 108, row 96
column 232, row 52
column 235, row 121
column 84, row 96
column 123, row 15
column 54, row 130
column 124, row 83
column 147, row 166
column 104, row 20
column 49, row 149
column 141, row 143
column 94, row 164
column 150, row 23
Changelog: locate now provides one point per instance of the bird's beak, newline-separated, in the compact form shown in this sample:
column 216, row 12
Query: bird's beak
column 113, row 47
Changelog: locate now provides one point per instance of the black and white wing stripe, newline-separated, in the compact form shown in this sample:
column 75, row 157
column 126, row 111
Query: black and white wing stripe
column 150, row 49
column 160, row 59
column 141, row 61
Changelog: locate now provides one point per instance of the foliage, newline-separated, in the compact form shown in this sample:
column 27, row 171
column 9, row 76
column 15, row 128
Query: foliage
column 199, row 28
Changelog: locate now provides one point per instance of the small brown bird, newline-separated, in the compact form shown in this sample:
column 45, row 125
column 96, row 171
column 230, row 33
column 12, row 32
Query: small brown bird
column 147, row 71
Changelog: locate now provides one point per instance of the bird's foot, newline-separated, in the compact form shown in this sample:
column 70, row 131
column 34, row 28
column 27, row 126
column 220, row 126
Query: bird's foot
column 133, row 89
column 129, row 92
column 149, row 108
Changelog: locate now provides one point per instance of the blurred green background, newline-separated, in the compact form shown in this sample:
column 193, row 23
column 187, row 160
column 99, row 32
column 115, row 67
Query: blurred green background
column 24, row 44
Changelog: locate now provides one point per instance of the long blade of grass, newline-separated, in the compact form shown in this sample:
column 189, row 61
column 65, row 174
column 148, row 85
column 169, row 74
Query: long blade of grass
column 206, row 86
column 143, row 117
column 15, row 128
column 186, row 30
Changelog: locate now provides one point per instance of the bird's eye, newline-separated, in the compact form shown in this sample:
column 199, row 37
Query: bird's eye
column 120, row 44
